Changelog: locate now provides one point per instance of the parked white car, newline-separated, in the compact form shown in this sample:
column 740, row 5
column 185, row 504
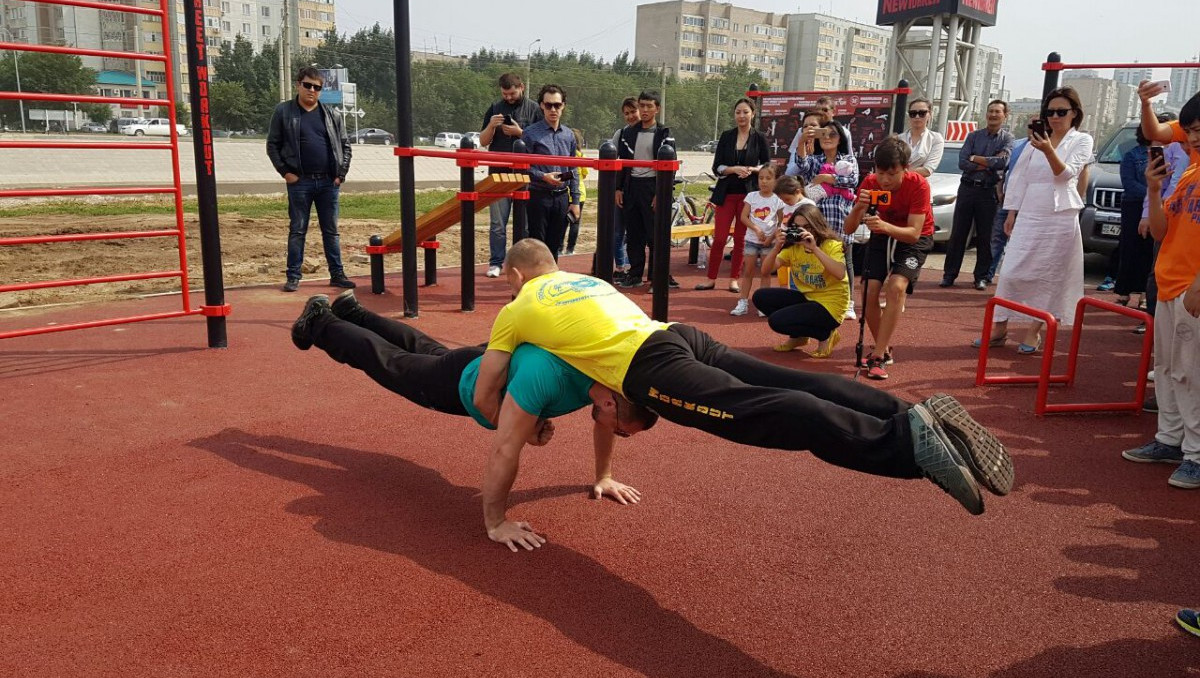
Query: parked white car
column 447, row 139
column 943, row 190
column 153, row 127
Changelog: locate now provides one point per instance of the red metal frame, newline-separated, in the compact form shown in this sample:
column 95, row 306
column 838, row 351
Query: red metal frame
column 175, row 189
column 1044, row 378
column 1059, row 66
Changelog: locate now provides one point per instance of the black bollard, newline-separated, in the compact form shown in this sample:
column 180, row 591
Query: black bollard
column 606, row 213
column 1051, row 81
column 466, row 186
column 377, row 285
column 661, row 239
column 900, row 112
column 520, row 204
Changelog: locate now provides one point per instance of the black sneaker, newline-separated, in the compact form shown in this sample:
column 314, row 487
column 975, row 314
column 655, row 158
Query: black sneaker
column 940, row 462
column 984, row 454
column 630, row 281
column 314, row 308
column 346, row 307
column 291, row 285
column 672, row 282
column 980, row 285
column 1150, row 404
column 342, row 281
column 946, row 282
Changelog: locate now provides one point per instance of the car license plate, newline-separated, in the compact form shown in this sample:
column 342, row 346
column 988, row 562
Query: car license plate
column 1110, row 229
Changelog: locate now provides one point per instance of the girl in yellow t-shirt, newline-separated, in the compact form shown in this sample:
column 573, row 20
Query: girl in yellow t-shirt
column 814, row 303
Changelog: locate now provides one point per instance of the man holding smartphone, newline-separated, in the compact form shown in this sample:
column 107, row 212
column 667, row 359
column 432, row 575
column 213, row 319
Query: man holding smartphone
column 553, row 189
column 503, row 123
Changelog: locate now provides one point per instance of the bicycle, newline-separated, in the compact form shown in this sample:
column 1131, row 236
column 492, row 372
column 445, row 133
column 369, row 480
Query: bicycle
column 686, row 211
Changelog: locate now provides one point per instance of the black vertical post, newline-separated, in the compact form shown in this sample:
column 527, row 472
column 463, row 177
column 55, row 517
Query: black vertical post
column 466, row 177
column 606, row 215
column 404, row 137
column 1051, row 82
column 377, row 286
column 431, row 263
column 900, row 111
column 663, row 195
column 206, row 176
column 520, row 214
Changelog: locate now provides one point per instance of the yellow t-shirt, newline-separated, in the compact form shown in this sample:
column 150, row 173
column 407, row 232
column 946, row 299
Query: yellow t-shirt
column 581, row 319
column 1178, row 261
column 806, row 274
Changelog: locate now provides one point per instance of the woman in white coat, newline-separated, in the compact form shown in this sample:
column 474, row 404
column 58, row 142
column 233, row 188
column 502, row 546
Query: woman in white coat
column 1043, row 264
column 927, row 146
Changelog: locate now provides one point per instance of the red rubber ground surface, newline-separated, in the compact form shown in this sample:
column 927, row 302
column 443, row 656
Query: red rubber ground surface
column 170, row 510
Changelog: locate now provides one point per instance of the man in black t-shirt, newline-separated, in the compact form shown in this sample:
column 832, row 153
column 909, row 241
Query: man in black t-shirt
column 504, row 123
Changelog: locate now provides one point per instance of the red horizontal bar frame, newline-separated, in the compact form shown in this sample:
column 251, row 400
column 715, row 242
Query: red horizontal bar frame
column 217, row 311
column 1045, row 378
column 82, row 98
column 105, row 6
column 489, row 158
column 53, row 49
column 763, row 93
column 90, row 281
column 383, row 249
column 80, row 237
column 97, row 323
column 430, row 245
column 87, row 145
column 1059, row 66
column 112, row 190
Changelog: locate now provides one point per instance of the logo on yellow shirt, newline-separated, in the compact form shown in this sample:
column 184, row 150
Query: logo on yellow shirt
column 560, row 291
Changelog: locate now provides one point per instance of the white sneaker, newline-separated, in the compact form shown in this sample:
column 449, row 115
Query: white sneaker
column 742, row 307
column 493, row 272
column 1150, row 375
column 850, row 314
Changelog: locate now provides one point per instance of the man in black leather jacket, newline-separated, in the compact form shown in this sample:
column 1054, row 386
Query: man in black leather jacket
column 308, row 147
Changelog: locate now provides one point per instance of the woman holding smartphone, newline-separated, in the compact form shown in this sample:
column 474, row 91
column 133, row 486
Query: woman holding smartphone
column 1043, row 263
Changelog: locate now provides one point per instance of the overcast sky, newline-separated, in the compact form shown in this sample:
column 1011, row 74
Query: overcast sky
column 1094, row 31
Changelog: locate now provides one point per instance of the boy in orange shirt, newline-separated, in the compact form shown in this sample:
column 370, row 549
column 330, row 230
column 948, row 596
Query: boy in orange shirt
column 1176, row 223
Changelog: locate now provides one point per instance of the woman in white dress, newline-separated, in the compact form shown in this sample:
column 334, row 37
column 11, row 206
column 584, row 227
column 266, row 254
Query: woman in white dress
column 927, row 146
column 1043, row 264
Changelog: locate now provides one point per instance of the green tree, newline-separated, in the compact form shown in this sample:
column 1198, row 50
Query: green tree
column 43, row 72
column 231, row 106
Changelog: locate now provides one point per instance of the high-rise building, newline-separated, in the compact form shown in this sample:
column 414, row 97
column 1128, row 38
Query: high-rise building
column 1132, row 76
column 1185, row 83
column 828, row 53
column 697, row 39
column 1098, row 97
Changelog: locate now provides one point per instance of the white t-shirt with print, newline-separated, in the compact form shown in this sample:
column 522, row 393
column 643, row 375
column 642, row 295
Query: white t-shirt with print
column 788, row 209
column 763, row 212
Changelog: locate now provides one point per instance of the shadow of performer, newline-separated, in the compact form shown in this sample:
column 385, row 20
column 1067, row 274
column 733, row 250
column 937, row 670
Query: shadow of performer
column 395, row 506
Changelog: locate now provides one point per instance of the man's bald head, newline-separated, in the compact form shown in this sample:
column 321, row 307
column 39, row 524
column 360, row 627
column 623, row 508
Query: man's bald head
column 526, row 260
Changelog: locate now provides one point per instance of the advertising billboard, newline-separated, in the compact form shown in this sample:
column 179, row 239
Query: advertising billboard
column 867, row 116
column 894, row 11
column 331, row 92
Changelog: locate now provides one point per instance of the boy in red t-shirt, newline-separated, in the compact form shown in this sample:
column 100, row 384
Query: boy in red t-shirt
column 901, row 237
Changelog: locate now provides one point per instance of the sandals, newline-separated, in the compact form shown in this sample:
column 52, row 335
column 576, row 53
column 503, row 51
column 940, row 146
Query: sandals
column 791, row 345
column 734, row 286
column 832, row 341
column 1026, row 349
column 992, row 343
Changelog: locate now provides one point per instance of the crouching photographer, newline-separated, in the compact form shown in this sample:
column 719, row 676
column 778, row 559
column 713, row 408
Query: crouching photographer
column 815, row 301
column 894, row 204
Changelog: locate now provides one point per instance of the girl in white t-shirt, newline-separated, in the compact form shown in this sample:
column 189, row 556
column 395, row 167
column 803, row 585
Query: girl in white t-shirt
column 760, row 215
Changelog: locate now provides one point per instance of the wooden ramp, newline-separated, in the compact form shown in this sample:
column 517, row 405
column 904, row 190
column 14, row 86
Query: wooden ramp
column 491, row 188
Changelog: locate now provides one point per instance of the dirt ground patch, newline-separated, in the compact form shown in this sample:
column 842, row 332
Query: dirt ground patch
column 254, row 252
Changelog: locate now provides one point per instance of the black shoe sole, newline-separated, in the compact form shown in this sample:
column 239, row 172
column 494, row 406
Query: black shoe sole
column 944, row 467
column 302, row 328
column 346, row 307
column 983, row 452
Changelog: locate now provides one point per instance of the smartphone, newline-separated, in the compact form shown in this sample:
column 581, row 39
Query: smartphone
column 1156, row 154
column 1037, row 126
column 508, row 119
column 1165, row 84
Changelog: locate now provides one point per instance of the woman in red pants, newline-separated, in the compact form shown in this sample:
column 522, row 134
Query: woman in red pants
column 740, row 153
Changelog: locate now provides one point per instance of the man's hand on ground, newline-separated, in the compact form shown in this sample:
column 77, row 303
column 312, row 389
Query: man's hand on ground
column 513, row 535
column 621, row 492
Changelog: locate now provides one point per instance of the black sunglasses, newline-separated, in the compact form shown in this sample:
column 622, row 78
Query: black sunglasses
column 918, row 114
column 553, row 105
column 311, row 86
column 1058, row 112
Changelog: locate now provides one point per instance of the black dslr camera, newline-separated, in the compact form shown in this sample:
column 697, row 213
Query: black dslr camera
column 794, row 234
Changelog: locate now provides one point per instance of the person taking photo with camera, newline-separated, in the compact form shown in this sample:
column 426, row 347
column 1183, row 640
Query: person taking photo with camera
column 894, row 203
column 815, row 301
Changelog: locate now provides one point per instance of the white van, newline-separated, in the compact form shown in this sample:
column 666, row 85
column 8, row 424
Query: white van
column 448, row 139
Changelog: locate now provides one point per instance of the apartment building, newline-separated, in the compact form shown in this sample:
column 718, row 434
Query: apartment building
column 1185, row 83
column 698, row 39
column 1106, row 103
column 829, row 53
column 1132, row 76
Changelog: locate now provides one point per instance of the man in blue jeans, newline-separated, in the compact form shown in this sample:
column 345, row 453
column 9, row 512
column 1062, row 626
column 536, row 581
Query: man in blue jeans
column 308, row 147
column 999, row 238
column 503, row 123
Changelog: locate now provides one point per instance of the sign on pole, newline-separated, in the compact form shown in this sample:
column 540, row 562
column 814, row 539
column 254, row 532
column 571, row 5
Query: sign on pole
column 866, row 115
